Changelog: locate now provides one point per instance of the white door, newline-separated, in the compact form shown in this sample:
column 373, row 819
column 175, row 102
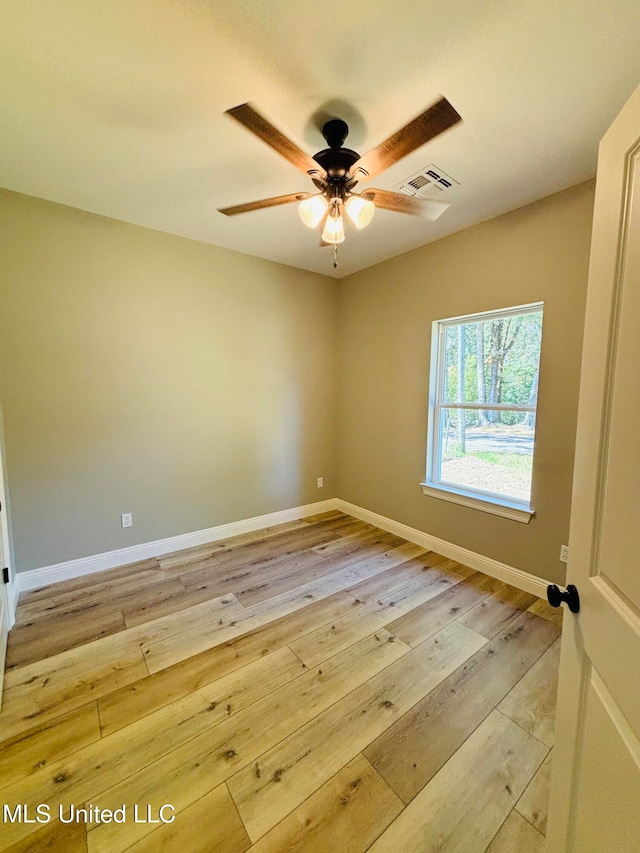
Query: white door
column 595, row 791
column 6, row 611
column 4, row 604
column 4, row 624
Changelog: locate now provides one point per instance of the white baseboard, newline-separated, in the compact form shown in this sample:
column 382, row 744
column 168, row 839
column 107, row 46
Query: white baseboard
column 487, row 565
column 36, row 578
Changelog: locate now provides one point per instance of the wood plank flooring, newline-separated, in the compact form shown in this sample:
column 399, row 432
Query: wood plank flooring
column 317, row 686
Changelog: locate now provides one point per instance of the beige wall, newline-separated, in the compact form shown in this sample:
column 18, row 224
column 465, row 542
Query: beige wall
column 146, row 373
column 537, row 253
column 193, row 386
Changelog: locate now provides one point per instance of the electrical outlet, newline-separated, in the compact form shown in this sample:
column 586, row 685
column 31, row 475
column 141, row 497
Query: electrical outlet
column 127, row 519
column 564, row 553
column 320, row 482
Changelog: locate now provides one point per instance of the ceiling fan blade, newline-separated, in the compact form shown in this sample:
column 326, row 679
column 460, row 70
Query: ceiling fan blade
column 257, row 124
column 265, row 202
column 401, row 203
column 424, row 127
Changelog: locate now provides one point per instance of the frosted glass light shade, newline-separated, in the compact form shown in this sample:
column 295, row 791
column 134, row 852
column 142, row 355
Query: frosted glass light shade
column 360, row 210
column 312, row 210
column 333, row 230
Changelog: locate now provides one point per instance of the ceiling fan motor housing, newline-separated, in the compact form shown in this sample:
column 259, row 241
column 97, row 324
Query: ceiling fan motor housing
column 336, row 160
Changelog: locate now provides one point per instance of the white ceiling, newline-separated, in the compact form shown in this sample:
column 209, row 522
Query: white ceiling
column 116, row 106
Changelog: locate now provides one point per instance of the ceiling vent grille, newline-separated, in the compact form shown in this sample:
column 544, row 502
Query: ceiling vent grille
column 430, row 182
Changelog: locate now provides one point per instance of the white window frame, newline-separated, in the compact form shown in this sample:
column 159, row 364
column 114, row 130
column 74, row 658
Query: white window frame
column 433, row 486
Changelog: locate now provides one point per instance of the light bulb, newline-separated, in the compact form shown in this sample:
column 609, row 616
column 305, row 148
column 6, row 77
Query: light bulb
column 333, row 230
column 312, row 210
column 360, row 210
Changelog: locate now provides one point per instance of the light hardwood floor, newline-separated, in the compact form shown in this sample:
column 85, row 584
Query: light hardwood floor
column 317, row 686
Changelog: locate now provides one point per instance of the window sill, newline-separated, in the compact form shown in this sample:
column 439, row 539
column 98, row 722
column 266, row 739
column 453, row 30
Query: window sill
column 506, row 510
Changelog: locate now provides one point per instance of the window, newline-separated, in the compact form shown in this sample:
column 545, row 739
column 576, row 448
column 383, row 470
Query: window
column 482, row 410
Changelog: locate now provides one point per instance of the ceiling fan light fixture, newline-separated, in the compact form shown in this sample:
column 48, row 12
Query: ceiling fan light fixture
column 333, row 229
column 360, row 210
column 312, row 210
column 336, row 170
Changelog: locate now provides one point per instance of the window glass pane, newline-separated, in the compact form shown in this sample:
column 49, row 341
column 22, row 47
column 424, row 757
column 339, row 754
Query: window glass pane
column 493, row 361
column 487, row 450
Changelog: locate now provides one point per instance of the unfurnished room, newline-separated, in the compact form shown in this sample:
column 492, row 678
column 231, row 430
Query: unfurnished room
column 319, row 417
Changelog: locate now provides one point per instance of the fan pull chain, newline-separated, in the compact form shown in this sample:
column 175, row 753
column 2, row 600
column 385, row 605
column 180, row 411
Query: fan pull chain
column 335, row 255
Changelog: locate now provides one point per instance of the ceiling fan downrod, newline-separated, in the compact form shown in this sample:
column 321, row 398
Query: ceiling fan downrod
column 335, row 131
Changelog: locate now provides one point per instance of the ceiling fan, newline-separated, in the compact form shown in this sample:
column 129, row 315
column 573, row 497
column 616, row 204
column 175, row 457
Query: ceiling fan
column 336, row 170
